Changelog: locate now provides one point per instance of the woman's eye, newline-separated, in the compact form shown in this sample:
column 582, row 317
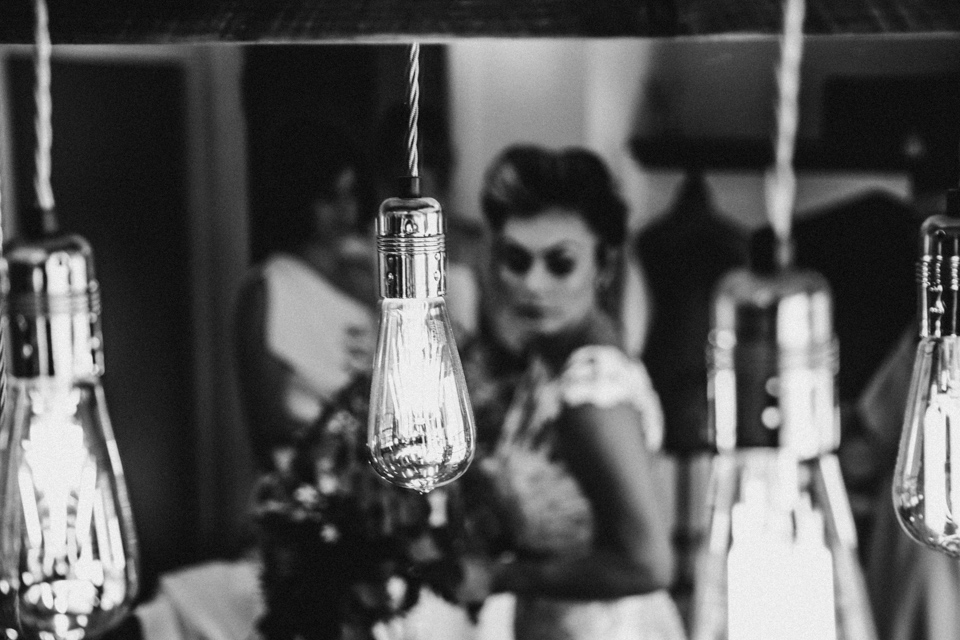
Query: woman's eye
column 516, row 260
column 560, row 265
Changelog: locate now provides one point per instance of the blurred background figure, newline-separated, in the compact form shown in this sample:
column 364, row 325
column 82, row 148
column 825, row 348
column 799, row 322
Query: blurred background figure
column 304, row 329
column 565, row 418
column 684, row 254
column 305, row 322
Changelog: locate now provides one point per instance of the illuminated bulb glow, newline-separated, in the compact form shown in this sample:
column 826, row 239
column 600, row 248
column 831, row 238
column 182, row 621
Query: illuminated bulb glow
column 54, row 457
column 941, row 414
column 74, row 561
column 419, row 380
column 724, row 383
column 421, row 427
column 779, row 572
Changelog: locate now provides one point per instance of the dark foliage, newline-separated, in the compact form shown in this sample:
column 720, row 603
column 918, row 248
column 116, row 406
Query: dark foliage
column 343, row 549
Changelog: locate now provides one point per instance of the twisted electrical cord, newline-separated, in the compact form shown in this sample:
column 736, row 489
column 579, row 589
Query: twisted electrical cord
column 43, row 118
column 413, row 102
column 781, row 187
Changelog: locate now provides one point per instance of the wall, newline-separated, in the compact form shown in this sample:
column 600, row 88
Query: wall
column 505, row 91
column 598, row 92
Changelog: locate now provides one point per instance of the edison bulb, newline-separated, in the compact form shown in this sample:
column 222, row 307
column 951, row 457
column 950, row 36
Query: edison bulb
column 926, row 487
column 779, row 557
column 74, row 572
column 421, row 429
column 421, row 433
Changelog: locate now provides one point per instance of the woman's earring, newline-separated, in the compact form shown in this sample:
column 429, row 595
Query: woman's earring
column 607, row 270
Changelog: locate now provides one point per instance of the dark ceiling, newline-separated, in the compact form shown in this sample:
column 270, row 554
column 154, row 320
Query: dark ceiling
column 161, row 21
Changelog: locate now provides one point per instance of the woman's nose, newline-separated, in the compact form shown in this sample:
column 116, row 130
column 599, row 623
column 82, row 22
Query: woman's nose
column 537, row 279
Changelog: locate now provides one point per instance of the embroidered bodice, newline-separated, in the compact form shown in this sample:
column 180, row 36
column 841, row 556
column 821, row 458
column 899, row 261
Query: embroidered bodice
column 550, row 515
column 549, row 512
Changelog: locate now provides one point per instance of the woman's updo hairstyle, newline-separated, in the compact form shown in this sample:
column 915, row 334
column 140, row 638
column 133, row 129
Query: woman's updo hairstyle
column 526, row 179
column 308, row 157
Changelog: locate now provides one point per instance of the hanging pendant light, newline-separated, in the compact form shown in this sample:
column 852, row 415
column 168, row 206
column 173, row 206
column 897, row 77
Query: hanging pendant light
column 75, row 573
column 779, row 559
column 421, row 432
column 926, row 481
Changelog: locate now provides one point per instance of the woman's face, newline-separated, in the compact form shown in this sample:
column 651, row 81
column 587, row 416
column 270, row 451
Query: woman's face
column 548, row 269
column 337, row 215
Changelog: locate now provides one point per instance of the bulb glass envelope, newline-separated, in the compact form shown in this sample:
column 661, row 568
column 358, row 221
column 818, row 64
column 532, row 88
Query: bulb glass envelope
column 74, row 572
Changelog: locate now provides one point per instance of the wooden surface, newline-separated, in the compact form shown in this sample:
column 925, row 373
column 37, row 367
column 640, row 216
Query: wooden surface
column 155, row 21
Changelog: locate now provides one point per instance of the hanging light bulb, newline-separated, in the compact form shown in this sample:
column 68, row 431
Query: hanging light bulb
column 421, row 431
column 779, row 560
column 76, row 575
column 926, row 483
column 72, row 571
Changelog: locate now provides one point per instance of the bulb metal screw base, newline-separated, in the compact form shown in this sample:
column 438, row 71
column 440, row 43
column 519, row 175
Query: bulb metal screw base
column 53, row 308
column 411, row 248
column 939, row 264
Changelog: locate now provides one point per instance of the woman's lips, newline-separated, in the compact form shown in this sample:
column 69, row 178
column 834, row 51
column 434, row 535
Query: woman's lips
column 531, row 311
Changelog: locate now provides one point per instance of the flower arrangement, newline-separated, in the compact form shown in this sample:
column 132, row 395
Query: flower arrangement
column 345, row 553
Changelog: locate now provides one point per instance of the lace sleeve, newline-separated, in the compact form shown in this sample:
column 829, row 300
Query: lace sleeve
column 605, row 377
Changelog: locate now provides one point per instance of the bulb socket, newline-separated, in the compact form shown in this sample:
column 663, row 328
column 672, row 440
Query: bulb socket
column 772, row 361
column 938, row 271
column 409, row 186
column 52, row 309
column 769, row 253
column 411, row 248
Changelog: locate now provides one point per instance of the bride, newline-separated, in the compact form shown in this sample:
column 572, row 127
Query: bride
column 565, row 418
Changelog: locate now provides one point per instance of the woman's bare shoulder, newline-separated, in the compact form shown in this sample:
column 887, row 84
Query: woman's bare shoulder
column 604, row 377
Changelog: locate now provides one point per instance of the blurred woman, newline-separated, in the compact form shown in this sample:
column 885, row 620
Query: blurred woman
column 303, row 330
column 564, row 415
column 305, row 318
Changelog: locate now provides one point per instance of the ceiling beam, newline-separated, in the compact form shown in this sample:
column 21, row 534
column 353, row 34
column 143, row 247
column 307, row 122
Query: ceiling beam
column 171, row 21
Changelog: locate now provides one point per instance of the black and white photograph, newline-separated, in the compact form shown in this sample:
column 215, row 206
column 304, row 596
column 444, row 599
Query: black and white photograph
column 479, row 320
